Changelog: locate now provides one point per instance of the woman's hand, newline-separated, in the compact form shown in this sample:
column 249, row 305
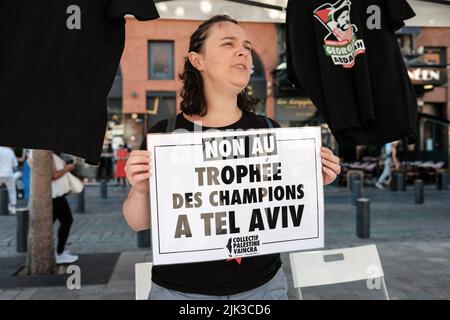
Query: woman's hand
column 138, row 170
column 330, row 165
column 70, row 167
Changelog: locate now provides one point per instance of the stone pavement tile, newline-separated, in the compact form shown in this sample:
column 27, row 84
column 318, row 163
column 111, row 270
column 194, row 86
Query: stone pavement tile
column 445, row 245
column 405, row 252
column 419, row 294
column 93, row 292
column 90, row 297
column 148, row 255
column 440, row 260
column 359, row 290
column 407, row 290
column 430, row 248
column 26, row 294
column 106, row 235
column 55, row 293
column 9, row 294
column 432, row 280
column 5, row 243
column 92, row 289
column 122, row 282
column 307, row 295
column 118, row 296
column 124, row 269
column 438, row 293
column 120, row 287
column 292, row 292
column 335, row 292
column 395, row 294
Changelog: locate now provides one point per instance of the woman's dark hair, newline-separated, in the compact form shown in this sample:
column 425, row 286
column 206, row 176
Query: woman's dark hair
column 194, row 101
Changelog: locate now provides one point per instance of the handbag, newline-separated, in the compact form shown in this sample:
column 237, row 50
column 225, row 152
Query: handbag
column 76, row 185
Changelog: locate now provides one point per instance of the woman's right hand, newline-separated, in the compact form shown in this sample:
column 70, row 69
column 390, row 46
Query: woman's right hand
column 138, row 170
column 70, row 167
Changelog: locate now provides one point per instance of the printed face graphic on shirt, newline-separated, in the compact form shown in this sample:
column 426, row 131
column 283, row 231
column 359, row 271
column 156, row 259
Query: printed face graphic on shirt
column 343, row 19
column 341, row 43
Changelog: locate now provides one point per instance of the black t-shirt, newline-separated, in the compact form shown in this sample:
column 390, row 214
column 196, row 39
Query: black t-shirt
column 355, row 75
column 217, row 277
column 58, row 59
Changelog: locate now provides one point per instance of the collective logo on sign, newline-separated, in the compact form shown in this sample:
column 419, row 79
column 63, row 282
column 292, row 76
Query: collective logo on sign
column 341, row 43
column 243, row 246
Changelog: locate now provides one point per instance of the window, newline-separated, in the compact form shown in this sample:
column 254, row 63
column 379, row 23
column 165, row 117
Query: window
column 161, row 60
column 160, row 105
column 435, row 56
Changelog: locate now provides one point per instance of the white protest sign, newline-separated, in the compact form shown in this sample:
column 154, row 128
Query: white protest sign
column 226, row 194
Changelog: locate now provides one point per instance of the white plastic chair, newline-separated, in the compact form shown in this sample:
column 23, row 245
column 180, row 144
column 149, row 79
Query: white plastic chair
column 327, row 267
column 143, row 277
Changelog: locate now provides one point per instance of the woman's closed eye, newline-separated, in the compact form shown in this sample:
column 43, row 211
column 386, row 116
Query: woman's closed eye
column 232, row 44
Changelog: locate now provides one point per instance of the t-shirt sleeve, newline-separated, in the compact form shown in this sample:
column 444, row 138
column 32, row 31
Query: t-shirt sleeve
column 141, row 9
column 159, row 127
column 398, row 11
column 15, row 163
column 274, row 123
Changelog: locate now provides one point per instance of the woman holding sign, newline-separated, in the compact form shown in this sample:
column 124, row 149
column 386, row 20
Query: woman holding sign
column 216, row 74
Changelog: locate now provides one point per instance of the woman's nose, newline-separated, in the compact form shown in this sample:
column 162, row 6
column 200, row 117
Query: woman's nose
column 243, row 52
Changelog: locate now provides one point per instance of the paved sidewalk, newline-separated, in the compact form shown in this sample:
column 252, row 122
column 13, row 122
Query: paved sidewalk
column 413, row 242
column 101, row 229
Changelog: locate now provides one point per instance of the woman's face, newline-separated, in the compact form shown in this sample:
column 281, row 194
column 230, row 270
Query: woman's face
column 226, row 58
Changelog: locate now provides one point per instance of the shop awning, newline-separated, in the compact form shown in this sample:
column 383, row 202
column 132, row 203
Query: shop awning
column 443, row 121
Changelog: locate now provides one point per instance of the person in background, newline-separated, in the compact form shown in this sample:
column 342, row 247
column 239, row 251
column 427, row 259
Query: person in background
column 105, row 168
column 121, row 161
column 8, row 176
column 61, row 209
column 25, row 174
column 389, row 157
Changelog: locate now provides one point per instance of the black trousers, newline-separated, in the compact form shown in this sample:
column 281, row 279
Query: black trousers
column 62, row 213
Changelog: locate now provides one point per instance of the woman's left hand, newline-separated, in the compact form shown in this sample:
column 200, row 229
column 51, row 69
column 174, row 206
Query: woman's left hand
column 330, row 165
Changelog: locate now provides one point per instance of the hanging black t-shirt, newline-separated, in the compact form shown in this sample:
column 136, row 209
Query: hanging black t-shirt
column 217, row 277
column 355, row 75
column 58, row 59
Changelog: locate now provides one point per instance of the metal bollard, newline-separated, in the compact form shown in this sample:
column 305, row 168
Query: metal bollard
column 80, row 204
column 394, row 181
column 401, row 182
column 23, row 217
column 356, row 190
column 442, row 181
column 4, row 200
column 143, row 238
column 363, row 218
column 352, row 177
column 103, row 189
column 419, row 195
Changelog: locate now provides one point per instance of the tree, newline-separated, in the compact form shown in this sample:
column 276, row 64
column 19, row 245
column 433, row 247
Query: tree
column 41, row 258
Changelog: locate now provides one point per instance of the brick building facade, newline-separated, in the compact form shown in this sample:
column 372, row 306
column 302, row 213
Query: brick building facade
column 439, row 38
